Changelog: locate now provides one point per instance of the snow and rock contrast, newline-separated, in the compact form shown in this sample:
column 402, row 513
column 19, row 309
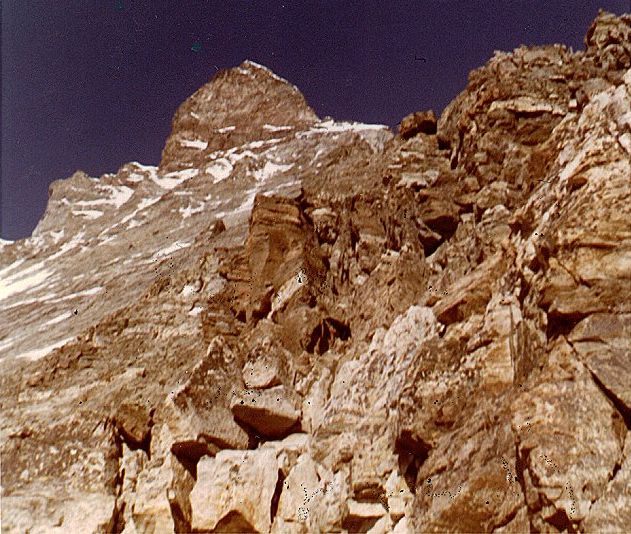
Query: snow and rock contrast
column 302, row 325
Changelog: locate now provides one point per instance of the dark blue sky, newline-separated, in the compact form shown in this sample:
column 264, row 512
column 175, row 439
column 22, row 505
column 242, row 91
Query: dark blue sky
column 92, row 84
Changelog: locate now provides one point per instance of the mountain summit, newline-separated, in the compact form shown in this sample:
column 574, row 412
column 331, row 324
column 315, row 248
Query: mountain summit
column 242, row 104
column 303, row 325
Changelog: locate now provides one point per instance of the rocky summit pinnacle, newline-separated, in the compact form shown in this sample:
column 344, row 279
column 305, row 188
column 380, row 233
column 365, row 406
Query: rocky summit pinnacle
column 299, row 325
column 245, row 103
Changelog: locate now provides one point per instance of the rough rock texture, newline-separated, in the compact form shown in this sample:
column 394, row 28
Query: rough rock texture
column 296, row 325
column 418, row 122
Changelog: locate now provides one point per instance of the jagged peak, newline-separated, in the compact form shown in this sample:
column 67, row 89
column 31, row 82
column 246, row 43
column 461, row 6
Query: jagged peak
column 238, row 105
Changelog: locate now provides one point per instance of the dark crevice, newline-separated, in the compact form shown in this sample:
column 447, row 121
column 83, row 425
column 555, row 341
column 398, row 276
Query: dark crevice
column 562, row 325
column 444, row 226
column 315, row 339
column 233, row 522
column 624, row 412
column 276, row 497
column 443, row 144
column 263, row 309
column 429, row 247
column 117, row 523
column 190, row 464
column 454, row 160
column 616, row 468
column 354, row 238
column 412, row 452
column 561, row 521
column 145, row 444
column 357, row 524
column 523, row 290
column 520, row 468
column 179, row 518
column 342, row 330
column 506, row 520
column 132, row 443
column 325, row 333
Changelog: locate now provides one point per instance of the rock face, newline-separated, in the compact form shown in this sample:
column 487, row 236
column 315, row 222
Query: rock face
column 296, row 325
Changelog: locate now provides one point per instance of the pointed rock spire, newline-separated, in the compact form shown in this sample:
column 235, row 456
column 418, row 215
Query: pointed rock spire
column 238, row 105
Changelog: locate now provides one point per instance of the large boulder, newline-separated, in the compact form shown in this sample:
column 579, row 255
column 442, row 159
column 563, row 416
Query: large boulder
column 271, row 412
column 234, row 491
column 418, row 122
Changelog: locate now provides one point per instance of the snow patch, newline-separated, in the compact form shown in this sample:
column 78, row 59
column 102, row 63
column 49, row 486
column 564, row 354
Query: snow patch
column 76, row 240
column 170, row 249
column 188, row 290
column 9, row 342
column 108, row 239
column 119, row 195
column 220, row 169
column 30, row 279
column 245, row 71
column 173, row 179
column 135, row 224
column 57, row 236
column 247, row 205
column 272, row 128
column 225, row 129
column 42, row 298
column 279, row 188
column 252, row 64
column 36, row 354
column 144, row 203
column 88, row 214
column 84, row 293
column 146, row 168
column 259, row 144
column 269, row 170
column 35, row 241
column 133, row 177
column 59, row 318
column 238, row 157
column 194, row 143
column 14, row 265
column 196, row 311
column 188, row 211
column 331, row 126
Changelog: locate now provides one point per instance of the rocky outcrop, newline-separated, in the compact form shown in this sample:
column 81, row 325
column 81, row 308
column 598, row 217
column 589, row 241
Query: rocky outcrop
column 420, row 333
column 418, row 122
column 211, row 119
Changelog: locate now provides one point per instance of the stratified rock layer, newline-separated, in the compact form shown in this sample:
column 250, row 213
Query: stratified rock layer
column 295, row 325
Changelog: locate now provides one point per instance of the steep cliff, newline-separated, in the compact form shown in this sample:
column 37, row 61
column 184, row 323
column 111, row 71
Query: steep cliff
column 297, row 325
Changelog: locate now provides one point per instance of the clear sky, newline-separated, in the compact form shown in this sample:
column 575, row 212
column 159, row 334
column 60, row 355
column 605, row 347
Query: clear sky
column 92, row 84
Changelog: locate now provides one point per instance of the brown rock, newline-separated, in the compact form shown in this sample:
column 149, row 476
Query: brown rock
column 233, row 491
column 271, row 412
column 470, row 295
column 608, row 39
column 418, row 122
column 602, row 343
column 134, row 424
